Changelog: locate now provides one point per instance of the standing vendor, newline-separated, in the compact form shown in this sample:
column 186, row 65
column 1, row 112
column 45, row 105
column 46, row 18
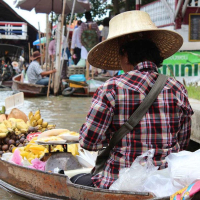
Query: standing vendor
column 137, row 46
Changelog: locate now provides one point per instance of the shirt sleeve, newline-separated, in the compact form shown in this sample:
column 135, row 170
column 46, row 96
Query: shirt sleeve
column 93, row 133
column 185, row 132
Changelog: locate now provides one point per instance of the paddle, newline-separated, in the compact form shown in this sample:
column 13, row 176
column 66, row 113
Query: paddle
column 14, row 100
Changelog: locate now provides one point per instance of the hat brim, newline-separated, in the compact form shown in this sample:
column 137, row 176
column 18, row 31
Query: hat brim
column 105, row 55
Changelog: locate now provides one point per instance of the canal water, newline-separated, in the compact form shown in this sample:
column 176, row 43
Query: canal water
column 65, row 112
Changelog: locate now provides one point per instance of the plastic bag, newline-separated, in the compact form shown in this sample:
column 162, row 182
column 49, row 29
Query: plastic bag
column 133, row 178
column 184, row 167
column 86, row 158
column 161, row 184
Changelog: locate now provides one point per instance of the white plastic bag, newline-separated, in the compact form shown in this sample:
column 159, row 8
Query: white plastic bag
column 161, row 184
column 184, row 167
column 86, row 158
column 133, row 178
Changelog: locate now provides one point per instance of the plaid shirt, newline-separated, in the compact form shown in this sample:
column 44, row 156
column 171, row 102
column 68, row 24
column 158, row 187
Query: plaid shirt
column 166, row 127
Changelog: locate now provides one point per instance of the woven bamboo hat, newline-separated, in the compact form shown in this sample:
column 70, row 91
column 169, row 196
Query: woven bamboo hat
column 35, row 55
column 130, row 26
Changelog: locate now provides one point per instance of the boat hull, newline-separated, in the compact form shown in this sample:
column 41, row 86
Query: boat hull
column 29, row 90
column 35, row 184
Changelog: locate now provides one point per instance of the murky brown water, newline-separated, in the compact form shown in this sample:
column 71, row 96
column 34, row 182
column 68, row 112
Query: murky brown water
column 65, row 112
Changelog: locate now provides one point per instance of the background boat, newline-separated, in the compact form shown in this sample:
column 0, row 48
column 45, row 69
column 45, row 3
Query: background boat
column 29, row 90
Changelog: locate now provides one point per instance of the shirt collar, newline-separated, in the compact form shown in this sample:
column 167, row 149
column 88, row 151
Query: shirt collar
column 146, row 65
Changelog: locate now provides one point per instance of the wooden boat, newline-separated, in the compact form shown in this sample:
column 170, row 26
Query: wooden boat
column 35, row 184
column 7, row 84
column 30, row 90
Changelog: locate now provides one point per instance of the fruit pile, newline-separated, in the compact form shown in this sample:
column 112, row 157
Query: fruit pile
column 13, row 133
column 15, row 127
column 32, row 150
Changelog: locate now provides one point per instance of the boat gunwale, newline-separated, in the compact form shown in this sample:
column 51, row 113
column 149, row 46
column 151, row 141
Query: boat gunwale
column 30, row 84
column 69, row 183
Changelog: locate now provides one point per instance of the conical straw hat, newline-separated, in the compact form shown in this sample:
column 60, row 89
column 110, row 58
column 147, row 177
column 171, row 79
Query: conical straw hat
column 130, row 26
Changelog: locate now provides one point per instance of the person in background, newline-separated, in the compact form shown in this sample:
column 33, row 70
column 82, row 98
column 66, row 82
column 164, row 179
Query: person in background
column 35, row 74
column 104, row 32
column 6, row 71
column 7, row 58
column 84, row 26
column 139, row 49
column 76, row 43
column 24, row 77
column 52, row 49
column 16, row 67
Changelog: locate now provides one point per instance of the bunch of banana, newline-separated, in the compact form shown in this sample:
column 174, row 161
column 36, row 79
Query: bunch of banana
column 35, row 120
column 3, row 130
column 16, row 125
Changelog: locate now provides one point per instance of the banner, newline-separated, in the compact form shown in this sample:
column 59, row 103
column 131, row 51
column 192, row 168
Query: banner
column 183, row 66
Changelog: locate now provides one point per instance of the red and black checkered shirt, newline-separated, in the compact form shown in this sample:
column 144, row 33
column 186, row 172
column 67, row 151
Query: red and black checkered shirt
column 166, row 127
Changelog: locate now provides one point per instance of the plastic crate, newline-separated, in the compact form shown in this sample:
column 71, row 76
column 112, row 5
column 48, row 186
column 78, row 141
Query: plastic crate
column 75, row 70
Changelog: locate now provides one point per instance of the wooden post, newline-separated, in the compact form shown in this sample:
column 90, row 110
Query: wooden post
column 29, row 52
column 58, row 51
column 40, row 44
column 57, row 62
column 47, row 40
column 87, row 70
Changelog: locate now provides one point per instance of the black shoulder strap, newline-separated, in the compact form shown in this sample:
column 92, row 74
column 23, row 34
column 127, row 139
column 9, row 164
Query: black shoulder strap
column 140, row 111
column 131, row 123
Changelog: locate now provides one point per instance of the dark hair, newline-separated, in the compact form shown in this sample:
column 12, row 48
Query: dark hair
column 140, row 51
column 106, row 21
column 88, row 15
column 79, row 22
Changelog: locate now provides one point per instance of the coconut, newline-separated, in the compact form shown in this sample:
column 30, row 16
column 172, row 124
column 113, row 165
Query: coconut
column 18, row 114
column 2, row 117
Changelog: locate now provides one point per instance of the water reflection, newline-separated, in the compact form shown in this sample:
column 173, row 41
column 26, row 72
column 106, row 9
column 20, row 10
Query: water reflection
column 65, row 112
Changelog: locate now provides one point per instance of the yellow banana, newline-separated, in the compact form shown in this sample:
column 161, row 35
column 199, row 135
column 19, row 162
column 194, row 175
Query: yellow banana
column 24, row 130
column 43, row 129
column 28, row 123
column 44, row 124
column 34, row 123
column 37, row 117
column 30, row 115
column 31, row 119
column 4, row 130
column 2, row 126
column 39, row 127
column 37, row 112
column 22, row 125
column 17, row 132
column 8, row 124
column 3, row 135
column 40, row 121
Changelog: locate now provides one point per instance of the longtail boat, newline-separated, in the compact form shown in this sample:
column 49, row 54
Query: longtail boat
column 35, row 184
column 30, row 90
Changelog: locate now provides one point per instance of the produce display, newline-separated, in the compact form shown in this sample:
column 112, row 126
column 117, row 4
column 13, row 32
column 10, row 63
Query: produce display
column 16, row 126
column 19, row 135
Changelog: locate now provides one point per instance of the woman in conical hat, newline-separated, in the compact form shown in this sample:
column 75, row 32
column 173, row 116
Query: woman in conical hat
column 138, row 47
